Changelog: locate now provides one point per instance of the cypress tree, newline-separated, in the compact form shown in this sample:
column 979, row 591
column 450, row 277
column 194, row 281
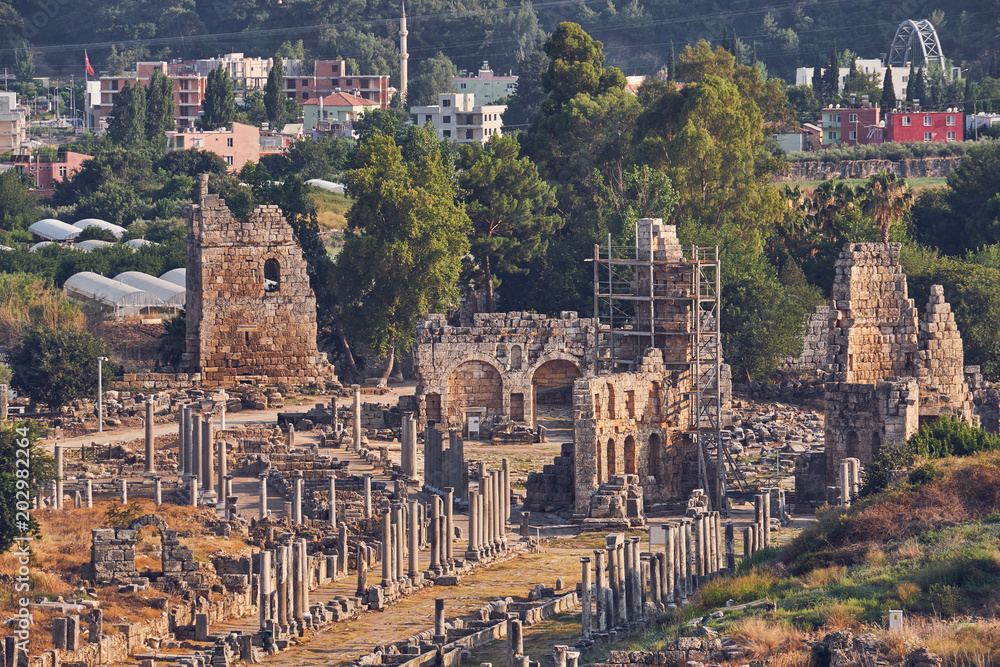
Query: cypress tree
column 888, row 92
column 673, row 62
column 127, row 126
column 917, row 87
column 159, row 106
column 274, row 95
column 831, row 78
column 219, row 103
column 817, row 80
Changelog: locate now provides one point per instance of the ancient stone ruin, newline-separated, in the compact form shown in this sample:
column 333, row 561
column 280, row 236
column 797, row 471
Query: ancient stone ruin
column 889, row 366
column 251, row 314
column 112, row 555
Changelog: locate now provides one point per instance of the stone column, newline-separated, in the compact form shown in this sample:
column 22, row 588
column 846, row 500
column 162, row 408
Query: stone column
column 362, row 559
column 59, row 477
column 297, row 498
column 124, row 498
column 471, row 553
column 90, row 493
column 495, row 485
column 560, row 655
column 183, row 428
column 730, row 548
column 333, row 500
column 449, row 501
column 602, row 584
column 282, row 576
column 77, row 500
column 158, row 490
column 684, row 533
column 72, row 633
column 357, row 420
column 263, row 495
column 400, row 540
column 669, row 546
column 298, row 567
column 629, row 590
column 368, row 496
column 414, row 569
column 207, row 451
column 586, row 587
column 440, row 632
column 435, row 535
column 150, row 461
column 223, row 448
column 655, row 595
column 387, row 549
column 195, row 458
column 305, row 577
column 342, row 547
column 409, row 444
column 481, row 523
column 96, row 626
column 505, row 466
column 637, row 581
column 713, row 544
column 265, row 588
column 515, row 641
column 766, row 506
column 487, row 524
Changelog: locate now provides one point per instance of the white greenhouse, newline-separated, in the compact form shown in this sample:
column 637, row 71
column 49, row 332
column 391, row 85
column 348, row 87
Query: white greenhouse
column 91, row 245
column 176, row 276
column 103, row 224
column 169, row 293
column 50, row 229
column 123, row 299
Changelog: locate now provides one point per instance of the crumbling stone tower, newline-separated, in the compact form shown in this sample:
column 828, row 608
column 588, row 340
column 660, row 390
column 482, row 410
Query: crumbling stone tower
column 889, row 367
column 251, row 314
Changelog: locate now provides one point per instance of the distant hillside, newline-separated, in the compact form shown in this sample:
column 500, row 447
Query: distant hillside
column 637, row 34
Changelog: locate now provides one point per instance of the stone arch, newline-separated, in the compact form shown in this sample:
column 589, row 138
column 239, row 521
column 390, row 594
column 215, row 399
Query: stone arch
column 149, row 520
column 474, row 384
column 556, row 376
column 875, row 446
column 630, row 459
column 853, row 450
column 432, row 407
column 272, row 275
column 656, row 456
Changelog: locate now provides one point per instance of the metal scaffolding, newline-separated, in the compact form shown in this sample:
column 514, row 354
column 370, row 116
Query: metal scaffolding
column 672, row 303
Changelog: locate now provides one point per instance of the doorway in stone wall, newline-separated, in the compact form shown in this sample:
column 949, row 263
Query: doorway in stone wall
column 552, row 394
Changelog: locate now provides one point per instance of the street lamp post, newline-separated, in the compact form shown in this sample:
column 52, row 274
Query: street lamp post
column 100, row 394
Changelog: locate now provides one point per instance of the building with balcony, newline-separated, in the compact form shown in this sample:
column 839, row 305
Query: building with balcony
column 47, row 174
column 189, row 91
column 485, row 85
column 457, row 117
column 334, row 113
column 851, row 126
column 330, row 77
column 928, row 126
column 13, row 124
column 900, row 75
column 236, row 146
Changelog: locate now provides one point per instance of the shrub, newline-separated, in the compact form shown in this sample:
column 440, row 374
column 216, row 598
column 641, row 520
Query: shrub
column 122, row 516
column 949, row 436
column 943, row 599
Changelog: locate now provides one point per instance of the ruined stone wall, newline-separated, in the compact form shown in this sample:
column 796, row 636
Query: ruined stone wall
column 239, row 325
column 941, row 372
column 815, row 170
column 112, row 554
column 632, row 423
column 497, row 363
column 814, row 342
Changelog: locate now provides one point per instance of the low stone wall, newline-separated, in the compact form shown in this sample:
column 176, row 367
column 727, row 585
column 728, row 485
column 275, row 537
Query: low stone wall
column 929, row 167
column 138, row 381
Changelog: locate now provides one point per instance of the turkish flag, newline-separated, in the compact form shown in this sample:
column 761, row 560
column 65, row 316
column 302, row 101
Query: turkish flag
column 86, row 59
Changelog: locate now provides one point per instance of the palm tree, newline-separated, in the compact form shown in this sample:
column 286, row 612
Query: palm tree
column 886, row 197
column 829, row 200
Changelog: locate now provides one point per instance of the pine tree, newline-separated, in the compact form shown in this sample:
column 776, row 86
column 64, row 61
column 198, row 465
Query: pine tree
column 995, row 68
column 969, row 97
column 274, row 95
column 127, row 127
column 888, row 92
column 219, row 103
column 817, row 80
column 831, row 78
column 916, row 90
column 159, row 106
column 673, row 61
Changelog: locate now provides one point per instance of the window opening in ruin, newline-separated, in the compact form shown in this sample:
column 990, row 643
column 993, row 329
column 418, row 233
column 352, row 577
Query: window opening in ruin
column 515, row 357
column 612, row 468
column 272, row 276
column 654, row 399
column 630, row 404
column 517, row 407
column 246, row 338
column 597, row 406
column 876, row 445
column 502, row 354
column 853, row 445
column 655, row 448
column 611, row 401
column 149, row 551
column 630, row 467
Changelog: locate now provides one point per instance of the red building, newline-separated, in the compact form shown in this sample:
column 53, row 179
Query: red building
column 46, row 174
column 851, row 126
column 929, row 126
column 330, row 78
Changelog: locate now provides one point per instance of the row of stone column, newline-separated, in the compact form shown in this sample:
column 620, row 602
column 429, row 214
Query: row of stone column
column 445, row 466
column 284, row 587
column 200, row 458
column 848, row 484
column 758, row 535
column 489, row 511
column 401, row 524
column 85, row 498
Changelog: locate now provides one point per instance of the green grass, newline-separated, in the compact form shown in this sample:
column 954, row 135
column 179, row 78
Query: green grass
column 331, row 209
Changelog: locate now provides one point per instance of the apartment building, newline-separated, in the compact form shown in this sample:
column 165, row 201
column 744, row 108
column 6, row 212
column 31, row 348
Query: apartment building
column 330, row 76
column 929, row 126
column 851, row 126
column 189, row 91
column 13, row 124
column 236, row 146
column 485, row 85
column 457, row 117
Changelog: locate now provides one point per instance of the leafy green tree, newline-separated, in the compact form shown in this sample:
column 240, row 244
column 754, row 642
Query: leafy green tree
column 403, row 248
column 432, row 76
column 127, row 127
column 219, row 104
column 24, row 64
column 18, row 209
column 191, row 162
column 510, row 206
column 830, row 199
column 917, row 87
column 56, row 366
column 576, row 65
column 253, row 111
column 114, row 201
column 888, row 92
column 527, row 99
column 159, row 106
column 274, row 94
column 886, row 198
column 19, row 484
column 831, row 78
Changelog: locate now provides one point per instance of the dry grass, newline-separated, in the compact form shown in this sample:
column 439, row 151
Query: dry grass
column 824, row 576
column 842, row 616
column 958, row 644
column 909, row 549
column 766, row 638
column 26, row 300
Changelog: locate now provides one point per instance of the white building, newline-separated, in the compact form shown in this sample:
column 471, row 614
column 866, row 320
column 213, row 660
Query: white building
column 900, row 75
column 457, row 117
column 334, row 113
column 13, row 124
column 486, row 86
column 981, row 121
column 247, row 73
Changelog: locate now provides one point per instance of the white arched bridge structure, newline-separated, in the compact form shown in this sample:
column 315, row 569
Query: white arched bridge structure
column 916, row 34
